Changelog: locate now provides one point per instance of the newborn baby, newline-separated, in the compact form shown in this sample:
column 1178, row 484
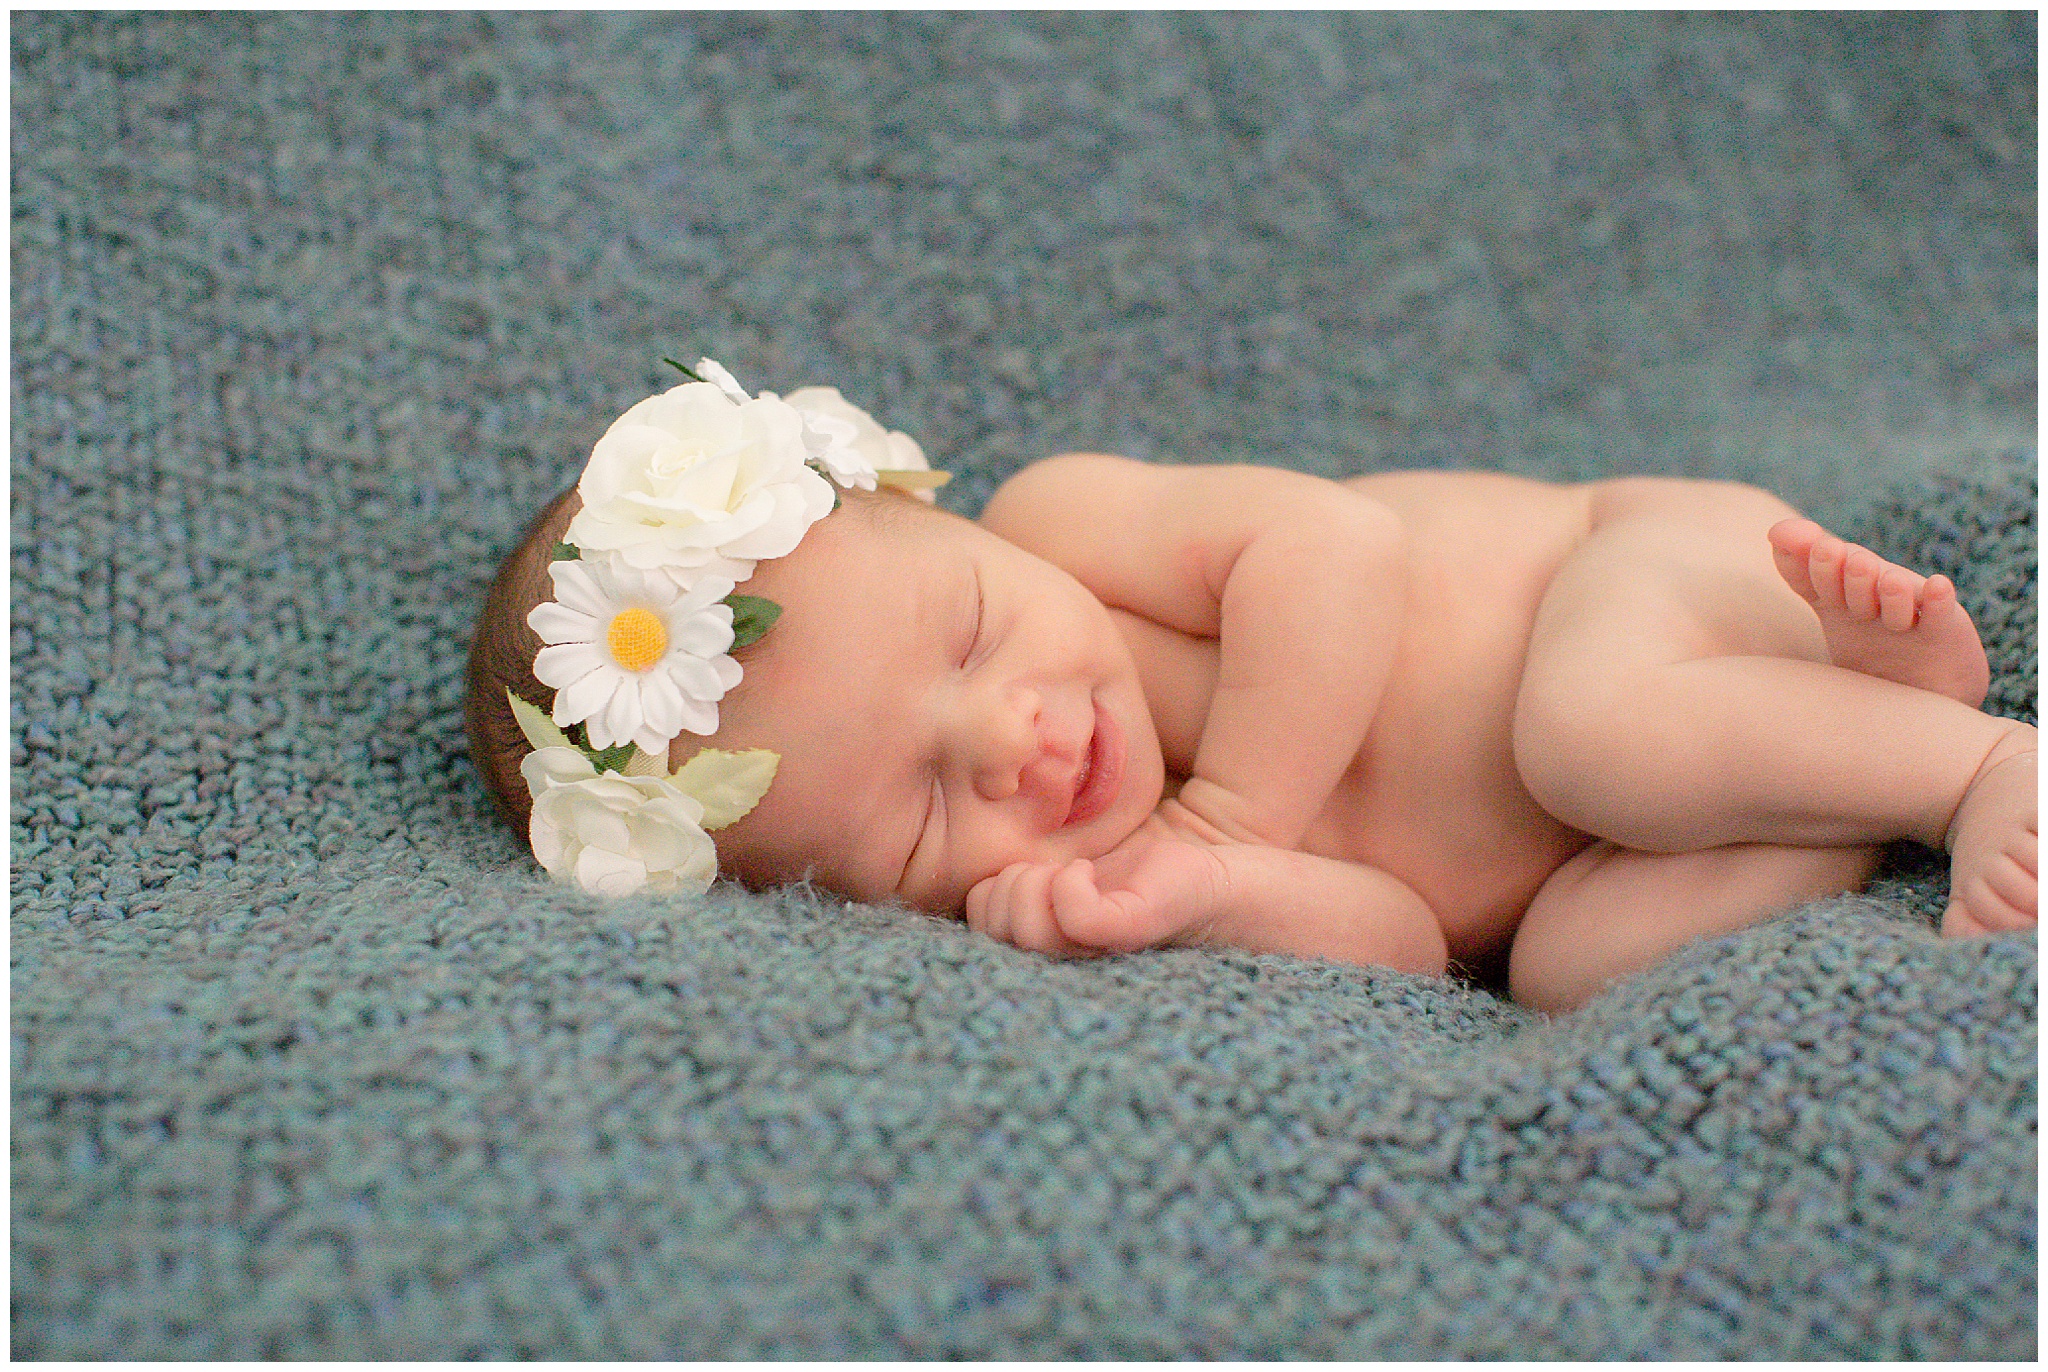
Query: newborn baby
column 1409, row 719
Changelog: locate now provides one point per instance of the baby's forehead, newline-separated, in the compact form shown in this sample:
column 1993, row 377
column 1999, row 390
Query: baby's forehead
column 889, row 554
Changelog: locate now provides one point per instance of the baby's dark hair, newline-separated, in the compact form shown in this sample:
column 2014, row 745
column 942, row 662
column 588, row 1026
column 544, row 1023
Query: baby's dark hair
column 501, row 654
column 502, row 649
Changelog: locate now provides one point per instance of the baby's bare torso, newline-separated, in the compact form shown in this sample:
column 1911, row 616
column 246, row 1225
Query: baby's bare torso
column 1433, row 796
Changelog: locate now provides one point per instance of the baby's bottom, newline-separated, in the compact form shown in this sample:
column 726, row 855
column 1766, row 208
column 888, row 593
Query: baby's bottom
column 1679, row 702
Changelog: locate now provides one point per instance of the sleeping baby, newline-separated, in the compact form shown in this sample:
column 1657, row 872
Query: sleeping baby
column 1412, row 719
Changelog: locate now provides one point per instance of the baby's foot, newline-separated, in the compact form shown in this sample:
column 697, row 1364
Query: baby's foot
column 1994, row 840
column 1882, row 619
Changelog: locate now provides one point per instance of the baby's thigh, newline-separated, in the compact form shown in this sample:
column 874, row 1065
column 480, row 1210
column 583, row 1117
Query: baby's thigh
column 1670, row 571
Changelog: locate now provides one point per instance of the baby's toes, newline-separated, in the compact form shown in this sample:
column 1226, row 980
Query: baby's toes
column 1824, row 570
column 1897, row 594
column 1861, row 571
column 2002, row 896
column 1792, row 549
column 1935, row 595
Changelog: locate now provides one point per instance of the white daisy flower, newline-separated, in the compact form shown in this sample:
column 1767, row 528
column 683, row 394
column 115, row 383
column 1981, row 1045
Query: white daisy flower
column 631, row 655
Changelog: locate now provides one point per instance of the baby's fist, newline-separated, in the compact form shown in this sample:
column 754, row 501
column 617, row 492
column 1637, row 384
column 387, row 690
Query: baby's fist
column 1019, row 905
column 1149, row 892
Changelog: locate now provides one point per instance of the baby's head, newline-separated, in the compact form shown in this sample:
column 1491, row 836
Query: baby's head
column 941, row 703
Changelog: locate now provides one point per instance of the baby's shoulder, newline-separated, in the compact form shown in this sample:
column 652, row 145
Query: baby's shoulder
column 1162, row 540
column 1084, row 494
column 1056, row 489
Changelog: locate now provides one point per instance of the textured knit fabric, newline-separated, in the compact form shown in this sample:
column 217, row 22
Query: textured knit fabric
column 312, row 312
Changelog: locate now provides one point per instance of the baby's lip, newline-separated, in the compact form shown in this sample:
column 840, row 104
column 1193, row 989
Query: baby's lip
column 1101, row 773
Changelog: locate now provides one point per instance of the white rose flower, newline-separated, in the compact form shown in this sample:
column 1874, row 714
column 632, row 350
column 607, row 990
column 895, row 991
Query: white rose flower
column 631, row 655
column 614, row 835
column 691, row 481
column 843, row 425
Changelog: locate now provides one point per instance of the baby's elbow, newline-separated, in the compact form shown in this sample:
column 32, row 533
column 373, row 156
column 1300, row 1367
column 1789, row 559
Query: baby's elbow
column 1376, row 534
column 1397, row 929
column 1428, row 953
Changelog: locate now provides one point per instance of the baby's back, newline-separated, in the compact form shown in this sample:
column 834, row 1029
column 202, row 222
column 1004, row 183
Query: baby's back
column 1434, row 797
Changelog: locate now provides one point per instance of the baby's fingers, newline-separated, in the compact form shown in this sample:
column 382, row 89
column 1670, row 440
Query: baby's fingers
column 1015, row 906
column 1097, row 919
column 989, row 906
column 1076, row 903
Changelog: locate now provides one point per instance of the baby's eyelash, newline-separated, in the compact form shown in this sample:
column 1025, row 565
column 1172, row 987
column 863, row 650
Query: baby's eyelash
column 933, row 809
column 980, row 607
column 924, row 832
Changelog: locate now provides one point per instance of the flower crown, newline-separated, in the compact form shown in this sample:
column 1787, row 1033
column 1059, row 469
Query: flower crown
column 683, row 495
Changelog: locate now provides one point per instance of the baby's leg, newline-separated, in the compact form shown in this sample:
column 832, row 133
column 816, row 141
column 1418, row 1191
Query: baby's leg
column 1678, row 696
column 1611, row 911
column 1882, row 619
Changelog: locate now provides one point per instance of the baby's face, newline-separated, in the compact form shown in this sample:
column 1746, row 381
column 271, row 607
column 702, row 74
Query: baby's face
column 944, row 703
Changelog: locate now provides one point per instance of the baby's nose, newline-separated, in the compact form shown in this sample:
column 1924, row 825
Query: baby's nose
column 1011, row 751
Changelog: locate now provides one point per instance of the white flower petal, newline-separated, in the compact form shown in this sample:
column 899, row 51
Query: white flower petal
column 717, row 375
column 550, row 846
column 695, row 677
column 698, row 717
column 705, row 594
column 904, row 454
column 781, row 514
column 706, row 634
column 609, row 874
column 581, row 699
column 661, row 708
column 577, row 585
column 622, row 717
column 878, row 449
column 544, row 767
column 564, row 664
column 558, row 623
column 597, row 824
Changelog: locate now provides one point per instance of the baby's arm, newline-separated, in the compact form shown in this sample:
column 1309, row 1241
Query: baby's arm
column 1161, row 890
column 1300, row 580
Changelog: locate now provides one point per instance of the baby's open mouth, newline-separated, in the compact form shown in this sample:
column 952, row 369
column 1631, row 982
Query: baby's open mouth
column 1095, row 785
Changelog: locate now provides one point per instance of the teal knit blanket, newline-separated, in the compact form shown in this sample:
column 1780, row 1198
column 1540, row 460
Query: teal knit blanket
column 310, row 312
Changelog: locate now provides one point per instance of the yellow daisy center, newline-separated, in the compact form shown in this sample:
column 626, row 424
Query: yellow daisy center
column 636, row 638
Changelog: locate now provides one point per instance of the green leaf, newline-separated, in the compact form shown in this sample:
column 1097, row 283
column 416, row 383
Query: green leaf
column 565, row 552
column 613, row 759
column 727, row 785
column 752, row 616
column 533, row 721
column 681, row 368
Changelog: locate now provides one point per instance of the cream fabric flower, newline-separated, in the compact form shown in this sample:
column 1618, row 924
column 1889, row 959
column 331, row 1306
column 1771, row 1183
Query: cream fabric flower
column 694, row 482
column 614, row 835
column 632, row 656
column 843, row 425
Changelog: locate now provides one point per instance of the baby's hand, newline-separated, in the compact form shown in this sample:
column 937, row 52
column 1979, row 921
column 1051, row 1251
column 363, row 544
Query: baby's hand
column 1149, row 891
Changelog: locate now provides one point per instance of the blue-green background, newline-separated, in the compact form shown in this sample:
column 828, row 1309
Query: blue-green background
column 311, row 312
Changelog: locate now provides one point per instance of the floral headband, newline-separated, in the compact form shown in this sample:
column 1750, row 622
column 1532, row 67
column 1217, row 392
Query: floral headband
column 682, row 496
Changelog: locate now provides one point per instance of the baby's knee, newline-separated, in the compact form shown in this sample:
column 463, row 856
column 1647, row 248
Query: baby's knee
column 1562, row 735
column 1597, row 752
